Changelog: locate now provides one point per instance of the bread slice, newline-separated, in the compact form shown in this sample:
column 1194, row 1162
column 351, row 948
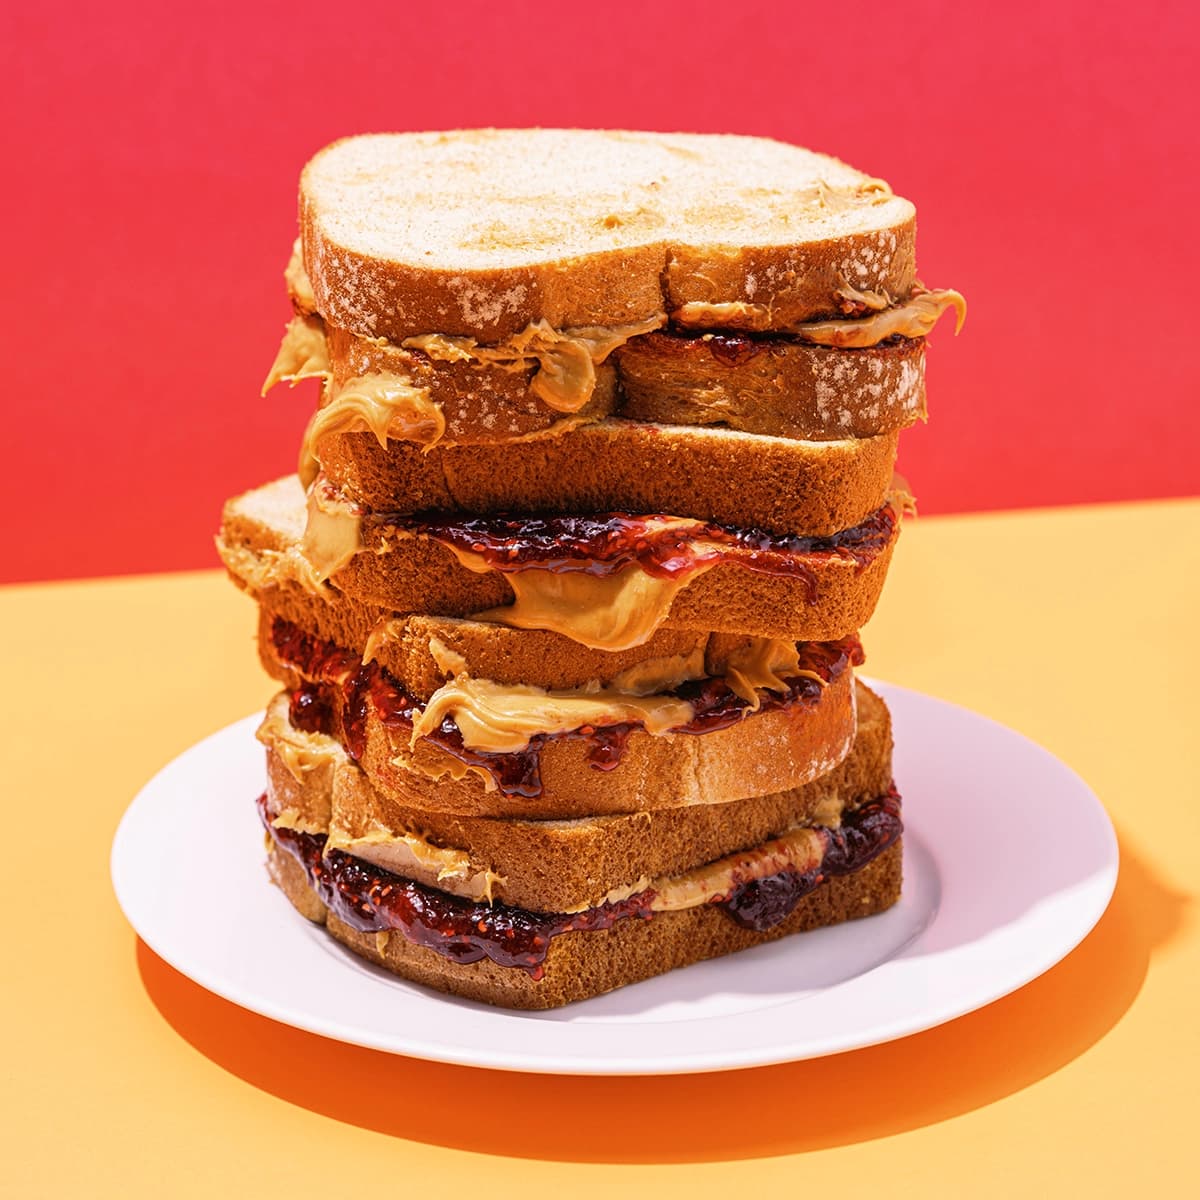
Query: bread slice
column 779, row 484
column 586, row 227
column 798, row 730
column 582, row 964
column 263, row 532
column 549, row 866
column 776, row 386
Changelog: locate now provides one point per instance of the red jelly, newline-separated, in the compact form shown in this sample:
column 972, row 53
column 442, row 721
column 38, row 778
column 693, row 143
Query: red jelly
column 335, row 701
column 864, row 834
column 609, row 542
column 370, row 899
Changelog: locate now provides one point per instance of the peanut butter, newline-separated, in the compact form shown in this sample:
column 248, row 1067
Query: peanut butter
column 330, row 540
column 566, row 359
column 611, row 612
column 303, row 353
column 914, row 318
column 501, row 718
column 800, row 850
column 764, row 663
column 911, row 318
column 300, row 752
column 299, row 286
column 332, row 537
column 661, row 674
column 386, row 405
column 412, row 855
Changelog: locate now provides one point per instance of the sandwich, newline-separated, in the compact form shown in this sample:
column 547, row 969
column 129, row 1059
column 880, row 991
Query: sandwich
column 564, row 596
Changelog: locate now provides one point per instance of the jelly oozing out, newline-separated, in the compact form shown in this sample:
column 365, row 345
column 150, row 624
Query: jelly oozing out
column 609, row 542
column 340, row 692
column 863, row 834
column 371, row 900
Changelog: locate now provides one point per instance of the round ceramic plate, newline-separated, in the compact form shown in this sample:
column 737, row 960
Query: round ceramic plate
column 989, row 903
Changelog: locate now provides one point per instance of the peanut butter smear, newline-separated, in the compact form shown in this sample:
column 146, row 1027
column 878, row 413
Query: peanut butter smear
column 386, row 405
column 299, row 286
column 566, row 359
column 303, row 353
column 500, row 719
column 610, row 612
column 915, row 318
column 911, row 318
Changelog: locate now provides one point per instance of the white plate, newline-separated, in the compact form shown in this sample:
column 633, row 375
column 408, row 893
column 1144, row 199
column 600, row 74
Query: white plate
column 1009, row 862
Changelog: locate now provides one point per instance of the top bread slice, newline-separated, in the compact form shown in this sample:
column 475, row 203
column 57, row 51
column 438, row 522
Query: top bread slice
column 480, row 233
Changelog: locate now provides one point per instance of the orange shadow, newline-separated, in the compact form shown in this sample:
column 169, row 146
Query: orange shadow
column 766, row 1111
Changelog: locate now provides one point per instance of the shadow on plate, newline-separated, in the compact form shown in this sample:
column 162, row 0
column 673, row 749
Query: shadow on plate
column 765, row 1111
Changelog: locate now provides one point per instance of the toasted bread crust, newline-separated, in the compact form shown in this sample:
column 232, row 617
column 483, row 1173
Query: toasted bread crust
column 778, row 484
column 767, row 751
column 420, row 575
column 580, row 965
column 772, row 386
column 779, row 387
column 506, row 656
column 653, row 222
column 560, row 866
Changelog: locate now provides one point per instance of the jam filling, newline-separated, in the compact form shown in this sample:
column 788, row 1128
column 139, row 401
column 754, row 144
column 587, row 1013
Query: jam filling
column 609, row 542
column 340, row 692
column 864, row 833
column 372, row 900
column 736, row 349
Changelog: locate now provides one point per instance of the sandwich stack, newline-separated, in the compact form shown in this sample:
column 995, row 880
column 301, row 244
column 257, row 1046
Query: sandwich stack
column 564, row 598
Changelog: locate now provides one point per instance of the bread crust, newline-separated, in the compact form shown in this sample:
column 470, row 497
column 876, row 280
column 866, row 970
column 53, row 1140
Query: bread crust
column 767, row 751
column 420, row 575
column 702, row 231
column 561, row 866
column 580, row 965
column 778, row 484
column 773, row 386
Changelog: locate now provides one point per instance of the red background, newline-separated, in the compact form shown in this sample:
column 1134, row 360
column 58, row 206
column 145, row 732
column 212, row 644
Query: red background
column 151, row 159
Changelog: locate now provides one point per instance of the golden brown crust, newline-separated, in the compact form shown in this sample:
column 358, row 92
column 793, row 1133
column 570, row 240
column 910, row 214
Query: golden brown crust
column 652, row 223
column 581, row 965
column 766, row 751
column 771, row 386
column 558, row 866
column 777, row 484
column 420, row 574
column 778, row 387
column 495, row 652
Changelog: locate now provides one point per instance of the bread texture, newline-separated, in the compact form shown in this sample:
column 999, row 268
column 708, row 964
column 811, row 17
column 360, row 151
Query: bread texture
column 421, row 575
column 779, row 484
column 771, row 750
column 777, row 386
column 557, row 866
column 585, row 227
column 584, row 964
column 772, row 386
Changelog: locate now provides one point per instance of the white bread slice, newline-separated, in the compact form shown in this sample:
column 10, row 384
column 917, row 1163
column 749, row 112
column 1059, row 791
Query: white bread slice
column 773, row 749
column 747, row 480
column 548, row 866
column 262, row 531
column 582, row 964
column 480, row 233
column 767, row 385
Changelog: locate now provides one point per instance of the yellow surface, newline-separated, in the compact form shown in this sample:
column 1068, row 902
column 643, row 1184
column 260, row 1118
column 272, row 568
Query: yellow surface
column 124, row 1079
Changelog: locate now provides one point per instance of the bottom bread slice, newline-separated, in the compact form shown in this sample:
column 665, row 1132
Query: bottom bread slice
column 581, row 964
